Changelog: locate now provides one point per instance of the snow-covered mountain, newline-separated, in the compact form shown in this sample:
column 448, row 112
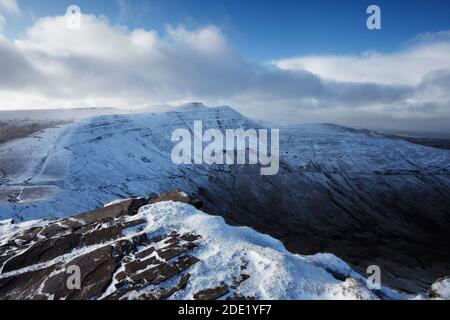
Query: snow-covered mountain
column 365, row 197
column 165, row 250
column 80, row 166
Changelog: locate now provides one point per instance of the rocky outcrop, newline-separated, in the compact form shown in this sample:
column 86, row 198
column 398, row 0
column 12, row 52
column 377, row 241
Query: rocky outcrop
column 162, row 247
column 213, row 293
column 114, row 257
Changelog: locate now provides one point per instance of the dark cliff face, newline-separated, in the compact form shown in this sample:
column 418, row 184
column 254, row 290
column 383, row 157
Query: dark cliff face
column 367, row 199
column 398, row 223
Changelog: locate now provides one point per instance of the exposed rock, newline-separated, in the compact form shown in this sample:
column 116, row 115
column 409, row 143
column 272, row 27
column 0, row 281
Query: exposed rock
column 197, row 203
column 28, row 235
column 212, row 294
column 190, row 237
column 52, row 230
column 103, row 249
column 176, row 196
column 26, row 285
column 161, row 250
column 97, row 269
column 43, row 251
column 164, row 293
column 145, row 253
column 125, row 208
column 137, row 265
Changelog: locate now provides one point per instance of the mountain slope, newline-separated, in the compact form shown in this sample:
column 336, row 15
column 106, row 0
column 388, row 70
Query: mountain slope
column 367, row 198
column 78, row 167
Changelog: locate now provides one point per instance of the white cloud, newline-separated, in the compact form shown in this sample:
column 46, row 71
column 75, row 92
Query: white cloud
column 10, row 6
column 206, row 40
column 407, row 67
column 113, row 66
column 2, row 23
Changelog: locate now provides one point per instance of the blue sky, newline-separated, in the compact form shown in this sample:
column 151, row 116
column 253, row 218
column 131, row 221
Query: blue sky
column 290, row 61
column 267, row 29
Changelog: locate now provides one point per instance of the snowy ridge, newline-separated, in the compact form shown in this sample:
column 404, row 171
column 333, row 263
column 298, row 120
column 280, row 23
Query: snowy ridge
column 79, row 166
column 168, row 250
column 274, row 272
column 73, row 168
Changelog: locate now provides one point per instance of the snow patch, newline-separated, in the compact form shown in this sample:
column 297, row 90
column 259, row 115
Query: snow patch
column 441, row 288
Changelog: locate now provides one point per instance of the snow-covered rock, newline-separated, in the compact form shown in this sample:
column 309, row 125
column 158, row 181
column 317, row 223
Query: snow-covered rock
column 230, row 254
column 441, row 289
column 168, row 250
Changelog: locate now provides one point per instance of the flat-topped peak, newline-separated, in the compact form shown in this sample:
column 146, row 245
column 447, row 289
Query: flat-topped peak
column 193, row 106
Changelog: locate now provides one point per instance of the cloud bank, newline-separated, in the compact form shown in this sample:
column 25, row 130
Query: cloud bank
column 10, row 6
column 112, row 66
column 409, row 66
